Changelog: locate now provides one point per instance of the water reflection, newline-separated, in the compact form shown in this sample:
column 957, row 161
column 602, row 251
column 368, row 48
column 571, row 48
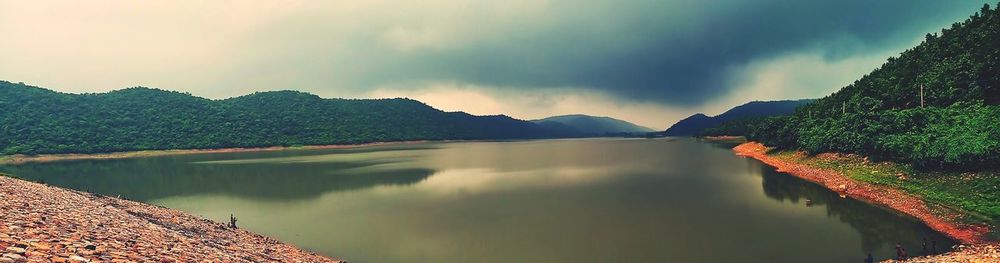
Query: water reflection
column 269, row 176
column 595, row 200
column 879, row 228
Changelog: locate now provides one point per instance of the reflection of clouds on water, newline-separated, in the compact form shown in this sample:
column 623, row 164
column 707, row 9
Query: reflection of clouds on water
column 481, row 180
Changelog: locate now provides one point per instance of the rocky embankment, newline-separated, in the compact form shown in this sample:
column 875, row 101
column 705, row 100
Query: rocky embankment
column 982, row 253
column 41, row 223
column 977, row 248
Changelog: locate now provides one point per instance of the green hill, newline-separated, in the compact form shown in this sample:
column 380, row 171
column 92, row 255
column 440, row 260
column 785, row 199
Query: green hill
column 35, row 121
column 700, row 124
column 591, row 125
column 933, row 106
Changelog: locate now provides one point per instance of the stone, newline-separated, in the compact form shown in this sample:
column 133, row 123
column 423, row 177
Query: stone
column 15, row 257
column 41, row 246
column 16, row 250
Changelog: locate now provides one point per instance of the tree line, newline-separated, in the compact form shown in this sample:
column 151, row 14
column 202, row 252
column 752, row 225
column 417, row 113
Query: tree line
column 39, row 121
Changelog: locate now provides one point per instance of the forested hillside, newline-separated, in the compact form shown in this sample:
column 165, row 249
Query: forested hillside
column 700, row 124
column 934, row 106
column 592, row 125
column 35, row 121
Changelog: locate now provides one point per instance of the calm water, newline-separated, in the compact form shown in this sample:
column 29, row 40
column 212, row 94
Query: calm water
column 596, row 200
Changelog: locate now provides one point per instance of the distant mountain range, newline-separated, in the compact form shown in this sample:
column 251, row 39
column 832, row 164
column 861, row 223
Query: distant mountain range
column 38, row 121
column 695, row 124
column 590, row 125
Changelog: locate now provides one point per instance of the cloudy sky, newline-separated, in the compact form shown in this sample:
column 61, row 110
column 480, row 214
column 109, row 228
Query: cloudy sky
column 650, row 62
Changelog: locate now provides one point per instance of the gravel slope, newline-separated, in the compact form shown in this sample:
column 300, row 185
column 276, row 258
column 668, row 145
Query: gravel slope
column 41, row 223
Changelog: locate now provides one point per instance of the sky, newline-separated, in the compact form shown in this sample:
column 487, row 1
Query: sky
column 648, row 62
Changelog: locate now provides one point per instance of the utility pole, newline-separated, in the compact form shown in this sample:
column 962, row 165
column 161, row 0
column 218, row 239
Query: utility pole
column 921, row 95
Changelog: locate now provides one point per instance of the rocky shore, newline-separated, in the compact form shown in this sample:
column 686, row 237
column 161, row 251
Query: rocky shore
column 977, row 247
column 982, row 253
column 41, row 223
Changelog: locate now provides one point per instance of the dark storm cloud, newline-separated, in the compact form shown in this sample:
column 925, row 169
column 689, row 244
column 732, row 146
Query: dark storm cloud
column 673, row 52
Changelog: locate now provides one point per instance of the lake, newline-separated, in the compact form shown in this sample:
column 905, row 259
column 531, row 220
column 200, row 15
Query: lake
column 581, row 200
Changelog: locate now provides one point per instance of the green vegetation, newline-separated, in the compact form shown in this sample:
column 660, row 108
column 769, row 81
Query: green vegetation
column 734, row 127
column 929, row 120
column 39, row 121
column 976, row 194
column 935, row 106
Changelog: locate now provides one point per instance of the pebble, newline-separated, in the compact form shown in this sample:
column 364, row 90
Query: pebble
column 15, row 257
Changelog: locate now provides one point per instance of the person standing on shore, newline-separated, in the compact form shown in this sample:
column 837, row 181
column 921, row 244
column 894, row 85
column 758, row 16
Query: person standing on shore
column 900, row 252
column 924, row 245
column 232, row 221
column 870, row 259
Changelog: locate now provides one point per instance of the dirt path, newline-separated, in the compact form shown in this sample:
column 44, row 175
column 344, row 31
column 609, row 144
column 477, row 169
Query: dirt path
column 41, row 223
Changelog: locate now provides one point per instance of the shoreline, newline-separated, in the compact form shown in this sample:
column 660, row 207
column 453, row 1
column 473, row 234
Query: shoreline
column 724, row 138
column 977, row 247
column 727, row 140
column 895, row 199
column 44, row 158
column 18, row 159
column 43, row 223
